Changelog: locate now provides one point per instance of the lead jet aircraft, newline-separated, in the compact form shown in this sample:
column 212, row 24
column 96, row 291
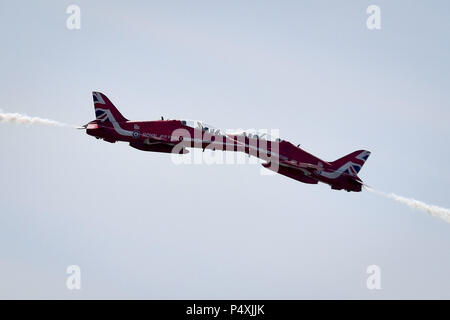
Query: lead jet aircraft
column 174, row 136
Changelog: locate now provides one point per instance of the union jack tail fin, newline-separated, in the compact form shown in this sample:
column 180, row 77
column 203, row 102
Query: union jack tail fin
column 351, row 163
column 105, row 111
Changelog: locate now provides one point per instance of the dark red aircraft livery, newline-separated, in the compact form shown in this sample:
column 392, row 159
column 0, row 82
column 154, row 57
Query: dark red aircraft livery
column 174, row 136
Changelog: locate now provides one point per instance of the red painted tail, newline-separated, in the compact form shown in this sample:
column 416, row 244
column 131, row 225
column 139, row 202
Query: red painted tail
column 351, row 163
column 105, row 111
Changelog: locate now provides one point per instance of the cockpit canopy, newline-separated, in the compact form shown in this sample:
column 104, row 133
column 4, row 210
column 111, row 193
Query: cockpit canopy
column 197, row 124
column 255, row 134
column 250, row 133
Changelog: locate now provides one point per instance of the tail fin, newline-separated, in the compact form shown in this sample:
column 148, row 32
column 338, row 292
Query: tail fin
column 351, row 163
column 105, row 111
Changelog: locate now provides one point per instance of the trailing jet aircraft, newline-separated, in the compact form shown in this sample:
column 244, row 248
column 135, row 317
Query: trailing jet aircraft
column 174, row 136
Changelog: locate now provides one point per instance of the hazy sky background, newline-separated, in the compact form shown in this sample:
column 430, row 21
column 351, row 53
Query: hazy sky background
column 140, row 226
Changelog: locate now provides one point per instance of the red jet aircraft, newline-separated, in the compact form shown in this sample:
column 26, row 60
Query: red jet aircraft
column 174, row 136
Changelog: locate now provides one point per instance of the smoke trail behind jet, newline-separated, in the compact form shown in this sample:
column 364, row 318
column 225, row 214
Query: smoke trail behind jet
column 24, row 119
column 433, row 210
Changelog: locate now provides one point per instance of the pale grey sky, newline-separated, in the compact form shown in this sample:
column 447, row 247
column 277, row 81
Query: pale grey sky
column 140, row 226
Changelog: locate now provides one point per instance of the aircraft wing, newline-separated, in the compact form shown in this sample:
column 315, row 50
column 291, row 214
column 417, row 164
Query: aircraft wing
column 302, row 172
column 306, row 168
column 157, row 140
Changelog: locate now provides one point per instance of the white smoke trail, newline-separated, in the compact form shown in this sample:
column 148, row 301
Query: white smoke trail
column 434, row 211
column 24, row 119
